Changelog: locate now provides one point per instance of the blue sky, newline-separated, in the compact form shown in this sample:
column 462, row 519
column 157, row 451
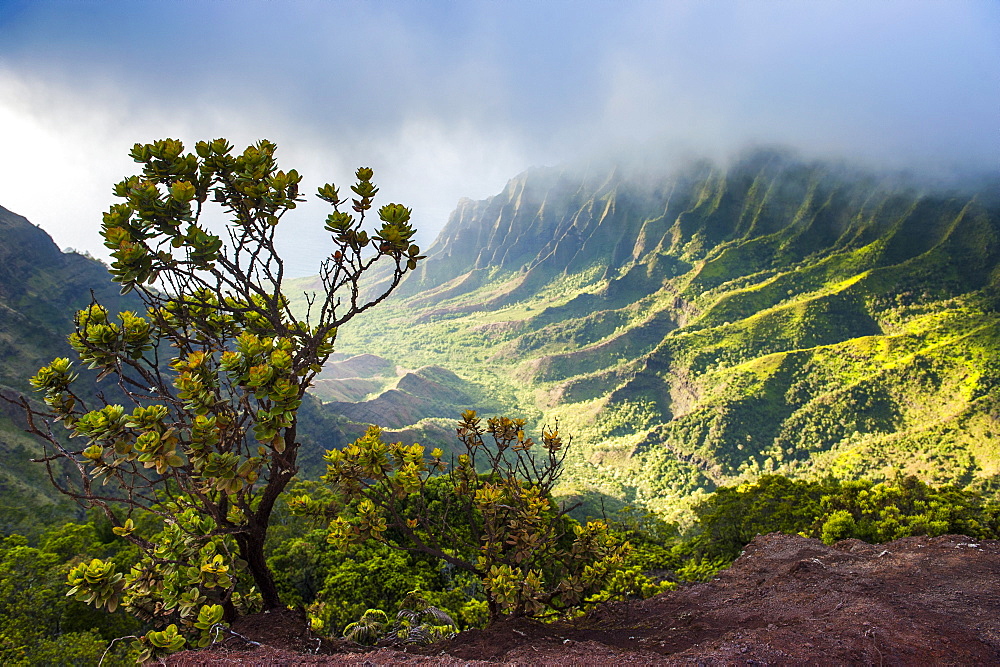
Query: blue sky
column 450, row 99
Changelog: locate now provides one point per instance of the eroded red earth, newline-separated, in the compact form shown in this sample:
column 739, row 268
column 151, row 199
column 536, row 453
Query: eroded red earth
column 787, row 600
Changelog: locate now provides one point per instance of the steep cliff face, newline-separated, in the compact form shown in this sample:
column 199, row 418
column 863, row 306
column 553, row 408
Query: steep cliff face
column 41, row 288
column 545, row 222
column 705, row 325
column 766, row 212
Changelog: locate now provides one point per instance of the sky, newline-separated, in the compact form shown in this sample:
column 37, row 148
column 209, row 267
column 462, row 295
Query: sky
column 451, row 99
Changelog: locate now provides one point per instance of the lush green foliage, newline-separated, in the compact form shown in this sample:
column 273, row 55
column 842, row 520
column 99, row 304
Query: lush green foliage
column 830, row 510
column 39, row 624
column 337, row 585
column 907, row 506
column 212, row 373
column 417, row 622
column 500, row 524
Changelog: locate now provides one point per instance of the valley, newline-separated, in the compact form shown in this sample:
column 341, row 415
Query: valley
column 703, row 326
column 739, row 350
column 689, row 327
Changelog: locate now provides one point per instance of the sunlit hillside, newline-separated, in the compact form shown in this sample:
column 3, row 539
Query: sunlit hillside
column 707, row 325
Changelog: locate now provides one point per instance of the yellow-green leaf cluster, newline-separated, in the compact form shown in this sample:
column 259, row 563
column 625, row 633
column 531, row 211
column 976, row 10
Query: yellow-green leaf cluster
column 531, row 557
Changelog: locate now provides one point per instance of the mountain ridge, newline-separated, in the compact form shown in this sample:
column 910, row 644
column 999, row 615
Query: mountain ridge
column 682, row 325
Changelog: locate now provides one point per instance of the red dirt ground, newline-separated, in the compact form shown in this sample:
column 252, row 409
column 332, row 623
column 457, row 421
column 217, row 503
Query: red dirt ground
column 787, row 600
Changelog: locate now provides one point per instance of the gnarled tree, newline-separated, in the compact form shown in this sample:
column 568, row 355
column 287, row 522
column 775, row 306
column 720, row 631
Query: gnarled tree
column 209, row 377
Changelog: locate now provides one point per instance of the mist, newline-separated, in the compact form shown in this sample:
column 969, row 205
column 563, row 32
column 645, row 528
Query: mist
column 450, row 99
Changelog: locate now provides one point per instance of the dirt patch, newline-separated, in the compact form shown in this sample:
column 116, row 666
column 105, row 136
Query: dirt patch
column 786, row 600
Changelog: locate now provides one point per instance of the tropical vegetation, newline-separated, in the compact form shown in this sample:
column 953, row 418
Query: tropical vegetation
column 774, row 346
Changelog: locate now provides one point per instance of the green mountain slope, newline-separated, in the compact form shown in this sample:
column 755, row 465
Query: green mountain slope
column 707, row 325
column 41, row 288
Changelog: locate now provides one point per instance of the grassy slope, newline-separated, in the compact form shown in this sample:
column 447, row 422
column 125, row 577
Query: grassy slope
column 705, row 327
column 40, row 289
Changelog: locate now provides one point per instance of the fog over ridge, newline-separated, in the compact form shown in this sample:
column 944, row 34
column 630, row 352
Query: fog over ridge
column 451, row 99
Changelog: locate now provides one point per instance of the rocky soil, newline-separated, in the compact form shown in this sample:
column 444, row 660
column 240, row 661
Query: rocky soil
column 787, row 600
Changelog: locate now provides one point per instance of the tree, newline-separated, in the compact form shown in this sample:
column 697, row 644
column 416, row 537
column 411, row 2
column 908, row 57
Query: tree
column 210, row 377
column 491, row 515
column 899, row 508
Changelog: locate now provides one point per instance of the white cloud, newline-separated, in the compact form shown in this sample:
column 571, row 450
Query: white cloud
column 56, row 169
column 66, row 146
column 446, row 100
